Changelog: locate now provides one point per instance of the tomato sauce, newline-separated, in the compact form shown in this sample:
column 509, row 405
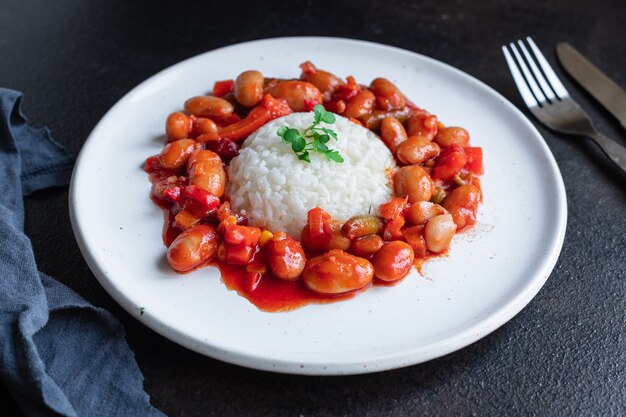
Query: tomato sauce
column 272, row 294
column 275, row 295
column 170, row 232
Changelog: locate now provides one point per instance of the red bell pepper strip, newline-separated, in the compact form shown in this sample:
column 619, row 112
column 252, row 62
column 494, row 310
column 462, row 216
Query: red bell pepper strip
column 244, row 128
column 269, row 109
column 233, row 118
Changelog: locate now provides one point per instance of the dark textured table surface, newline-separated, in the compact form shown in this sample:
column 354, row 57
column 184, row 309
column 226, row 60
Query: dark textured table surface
column 564, row 354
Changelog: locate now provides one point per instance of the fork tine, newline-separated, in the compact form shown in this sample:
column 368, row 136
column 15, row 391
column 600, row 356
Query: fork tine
column 553, row 79
column 525, row 92
column 547, row 91
column 530, row 80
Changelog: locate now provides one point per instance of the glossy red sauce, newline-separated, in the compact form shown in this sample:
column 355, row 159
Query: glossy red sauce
column 170, row 232
column 274, row 294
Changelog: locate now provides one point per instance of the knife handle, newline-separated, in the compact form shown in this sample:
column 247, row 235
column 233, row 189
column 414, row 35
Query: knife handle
column 615, row 151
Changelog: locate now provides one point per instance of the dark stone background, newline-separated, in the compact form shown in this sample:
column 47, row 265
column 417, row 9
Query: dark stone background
column 565, row 354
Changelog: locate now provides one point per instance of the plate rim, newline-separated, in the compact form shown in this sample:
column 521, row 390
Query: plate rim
column 383, row 362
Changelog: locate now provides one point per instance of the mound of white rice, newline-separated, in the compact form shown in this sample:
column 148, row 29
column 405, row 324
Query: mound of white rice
column 276, row 190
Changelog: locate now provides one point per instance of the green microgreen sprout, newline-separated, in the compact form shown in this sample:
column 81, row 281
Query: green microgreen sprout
column 314, row 138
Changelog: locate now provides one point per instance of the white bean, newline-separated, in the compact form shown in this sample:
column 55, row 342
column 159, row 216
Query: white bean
column 439, row 232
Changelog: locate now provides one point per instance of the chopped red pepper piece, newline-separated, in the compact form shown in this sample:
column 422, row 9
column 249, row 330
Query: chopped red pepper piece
column 336, row 106
column 207, row 200
column 393, row 228
column 474, row 159
column 229, row 220
column 393, row 208
column 167, row 188
column 316, row 218
column 393, row 212
column 414, row 236
column 346, row 91
column 451, row 160
column 172, row 193
column 309, row 105
column 152, row 164
column 189, row 217
column 221, row 88
column 240, row 243
column 242, row 235
column 277, row 107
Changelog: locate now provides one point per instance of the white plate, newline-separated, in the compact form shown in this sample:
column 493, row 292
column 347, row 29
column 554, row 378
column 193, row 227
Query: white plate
column 491, row 274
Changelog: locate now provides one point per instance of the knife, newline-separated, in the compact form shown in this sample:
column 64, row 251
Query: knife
column 601, row 87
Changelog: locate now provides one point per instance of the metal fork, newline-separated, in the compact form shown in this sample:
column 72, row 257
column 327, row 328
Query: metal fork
column 546, row 98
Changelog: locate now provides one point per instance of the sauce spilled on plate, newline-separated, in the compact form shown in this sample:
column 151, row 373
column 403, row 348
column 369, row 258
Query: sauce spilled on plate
column 273, row 294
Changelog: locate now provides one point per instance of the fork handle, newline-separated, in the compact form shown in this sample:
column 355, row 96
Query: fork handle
column 615, row 151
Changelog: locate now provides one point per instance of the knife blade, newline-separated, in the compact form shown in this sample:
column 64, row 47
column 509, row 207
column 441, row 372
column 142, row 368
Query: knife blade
column 601, row 87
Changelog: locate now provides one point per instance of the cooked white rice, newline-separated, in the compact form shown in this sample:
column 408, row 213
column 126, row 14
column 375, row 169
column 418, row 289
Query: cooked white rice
column 276, row 190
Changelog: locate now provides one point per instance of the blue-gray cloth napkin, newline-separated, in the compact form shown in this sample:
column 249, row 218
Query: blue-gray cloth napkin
column 60, row 356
